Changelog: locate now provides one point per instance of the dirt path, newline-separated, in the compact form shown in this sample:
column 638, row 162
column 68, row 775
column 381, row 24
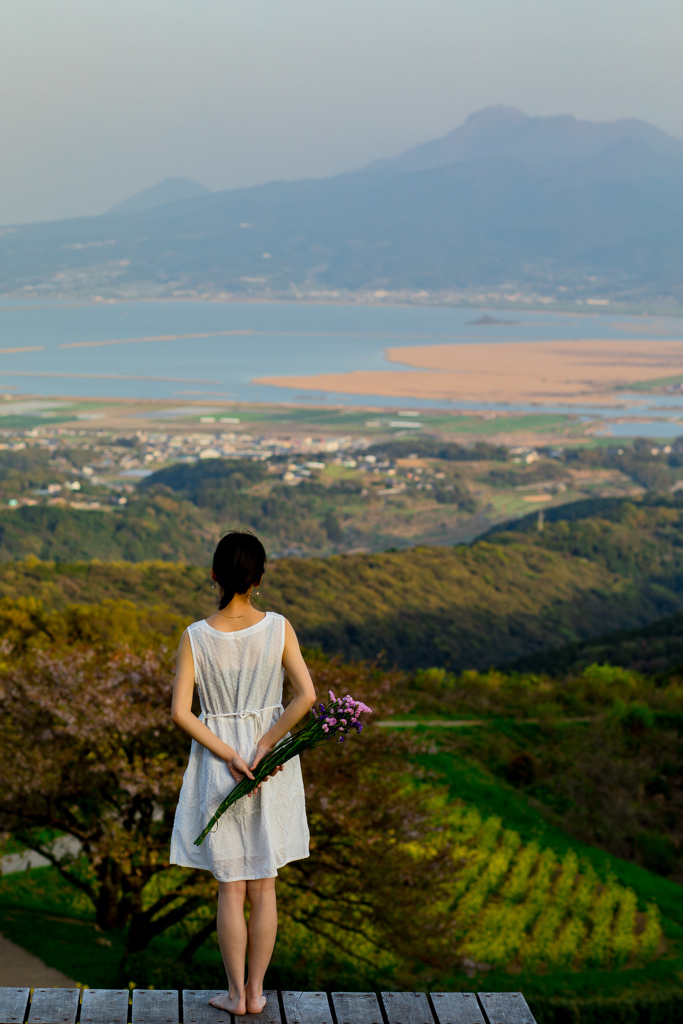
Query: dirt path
column 22, row 969
column 457, row 723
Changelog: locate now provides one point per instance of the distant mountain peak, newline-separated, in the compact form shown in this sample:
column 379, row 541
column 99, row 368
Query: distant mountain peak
column 170, row 190
column 505, row 132
column 496, row 113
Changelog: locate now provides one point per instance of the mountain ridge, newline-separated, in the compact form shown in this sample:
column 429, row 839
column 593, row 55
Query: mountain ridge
column 551, row 206
column 170, row 190
column 505, row 131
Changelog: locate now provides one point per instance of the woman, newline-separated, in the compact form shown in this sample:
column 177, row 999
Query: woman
column 237, row 658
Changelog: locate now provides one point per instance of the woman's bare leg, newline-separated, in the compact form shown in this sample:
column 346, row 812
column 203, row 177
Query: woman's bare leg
column 262, row 932
column 232, row 939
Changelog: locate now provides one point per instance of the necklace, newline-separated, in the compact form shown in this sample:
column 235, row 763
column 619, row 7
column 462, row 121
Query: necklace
column 221, row 612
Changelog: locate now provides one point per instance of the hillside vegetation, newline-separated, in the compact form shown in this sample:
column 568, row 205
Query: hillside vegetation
column 458, row 607
column 519, row 904
column 655, row 648
column 69, row 499
column 518, row 593
column 597, row 751
column 161, row 528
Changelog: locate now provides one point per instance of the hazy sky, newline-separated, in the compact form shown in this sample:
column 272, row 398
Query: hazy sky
column 101, row 98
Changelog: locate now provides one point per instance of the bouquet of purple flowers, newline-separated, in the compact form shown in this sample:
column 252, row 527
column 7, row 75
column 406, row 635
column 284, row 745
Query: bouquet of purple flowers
column 334, row 719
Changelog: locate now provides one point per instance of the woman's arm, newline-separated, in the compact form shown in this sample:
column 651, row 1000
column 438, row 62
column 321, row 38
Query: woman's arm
column 182, row 715
column 302, row 702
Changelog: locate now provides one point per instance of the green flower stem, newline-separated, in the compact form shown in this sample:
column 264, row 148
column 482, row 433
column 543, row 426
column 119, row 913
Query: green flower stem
column 280, row 754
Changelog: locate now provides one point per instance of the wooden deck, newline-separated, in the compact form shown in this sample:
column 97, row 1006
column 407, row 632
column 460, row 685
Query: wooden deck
column 154, row 1006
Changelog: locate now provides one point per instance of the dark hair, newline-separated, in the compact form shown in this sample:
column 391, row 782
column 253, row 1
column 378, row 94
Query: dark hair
column 239, row 562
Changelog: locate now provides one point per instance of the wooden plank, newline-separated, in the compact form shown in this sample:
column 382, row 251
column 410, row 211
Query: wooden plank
column 13, row 1003
column 270, row 1014
column 54, row 1006
column 457, row 1008
column 198, row 1010
column 505, row 1008
column 306, row 1008
column 407, row 1008
column 104, row 1006
column 356, row 1008
column 155, row 1006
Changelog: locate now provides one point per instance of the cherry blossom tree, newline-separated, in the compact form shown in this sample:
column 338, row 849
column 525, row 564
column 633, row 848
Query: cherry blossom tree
column 89, row 751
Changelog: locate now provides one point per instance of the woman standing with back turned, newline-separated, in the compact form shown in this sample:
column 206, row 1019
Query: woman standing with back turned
column 237, row 658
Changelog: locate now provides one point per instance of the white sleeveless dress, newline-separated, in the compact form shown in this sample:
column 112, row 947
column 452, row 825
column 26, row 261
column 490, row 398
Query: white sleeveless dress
column 239, row 679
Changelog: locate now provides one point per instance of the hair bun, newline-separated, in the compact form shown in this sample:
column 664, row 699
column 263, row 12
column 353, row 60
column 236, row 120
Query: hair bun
column 239, row 562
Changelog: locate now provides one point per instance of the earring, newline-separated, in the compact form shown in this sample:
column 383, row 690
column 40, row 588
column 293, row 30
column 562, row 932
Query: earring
column 213, row 586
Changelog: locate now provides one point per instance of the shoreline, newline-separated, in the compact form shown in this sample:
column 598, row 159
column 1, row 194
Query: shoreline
column 653, row 310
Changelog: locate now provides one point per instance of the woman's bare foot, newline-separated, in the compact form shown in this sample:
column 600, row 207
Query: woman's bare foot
column 256, row 1003
column 233, row 1004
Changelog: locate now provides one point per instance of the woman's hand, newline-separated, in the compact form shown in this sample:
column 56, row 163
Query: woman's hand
column 261, row 751
column 238, row 768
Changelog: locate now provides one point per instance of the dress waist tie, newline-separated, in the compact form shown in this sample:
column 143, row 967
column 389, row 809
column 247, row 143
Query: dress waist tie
column 254, row 714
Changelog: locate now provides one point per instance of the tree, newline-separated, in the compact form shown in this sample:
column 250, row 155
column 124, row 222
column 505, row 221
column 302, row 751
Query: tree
column 90, row 752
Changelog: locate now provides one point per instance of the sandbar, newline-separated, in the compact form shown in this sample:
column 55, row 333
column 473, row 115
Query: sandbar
column 531, row 371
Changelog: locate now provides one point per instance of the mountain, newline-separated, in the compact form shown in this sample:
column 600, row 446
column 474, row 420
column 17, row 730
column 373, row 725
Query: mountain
column 549, row 206
column 170, row 190
column 540, row 142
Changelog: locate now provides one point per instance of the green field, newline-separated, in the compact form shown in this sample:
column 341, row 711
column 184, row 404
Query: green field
column 28, row 422
column 541, row 422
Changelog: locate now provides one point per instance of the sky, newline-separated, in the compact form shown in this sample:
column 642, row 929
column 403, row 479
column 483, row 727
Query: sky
column 102, row 98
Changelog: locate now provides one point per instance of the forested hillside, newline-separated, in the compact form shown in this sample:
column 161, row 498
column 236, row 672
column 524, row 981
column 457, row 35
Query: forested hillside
column 73, row 501
column 639, row 539
column 516, row 594
column 655, row 648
